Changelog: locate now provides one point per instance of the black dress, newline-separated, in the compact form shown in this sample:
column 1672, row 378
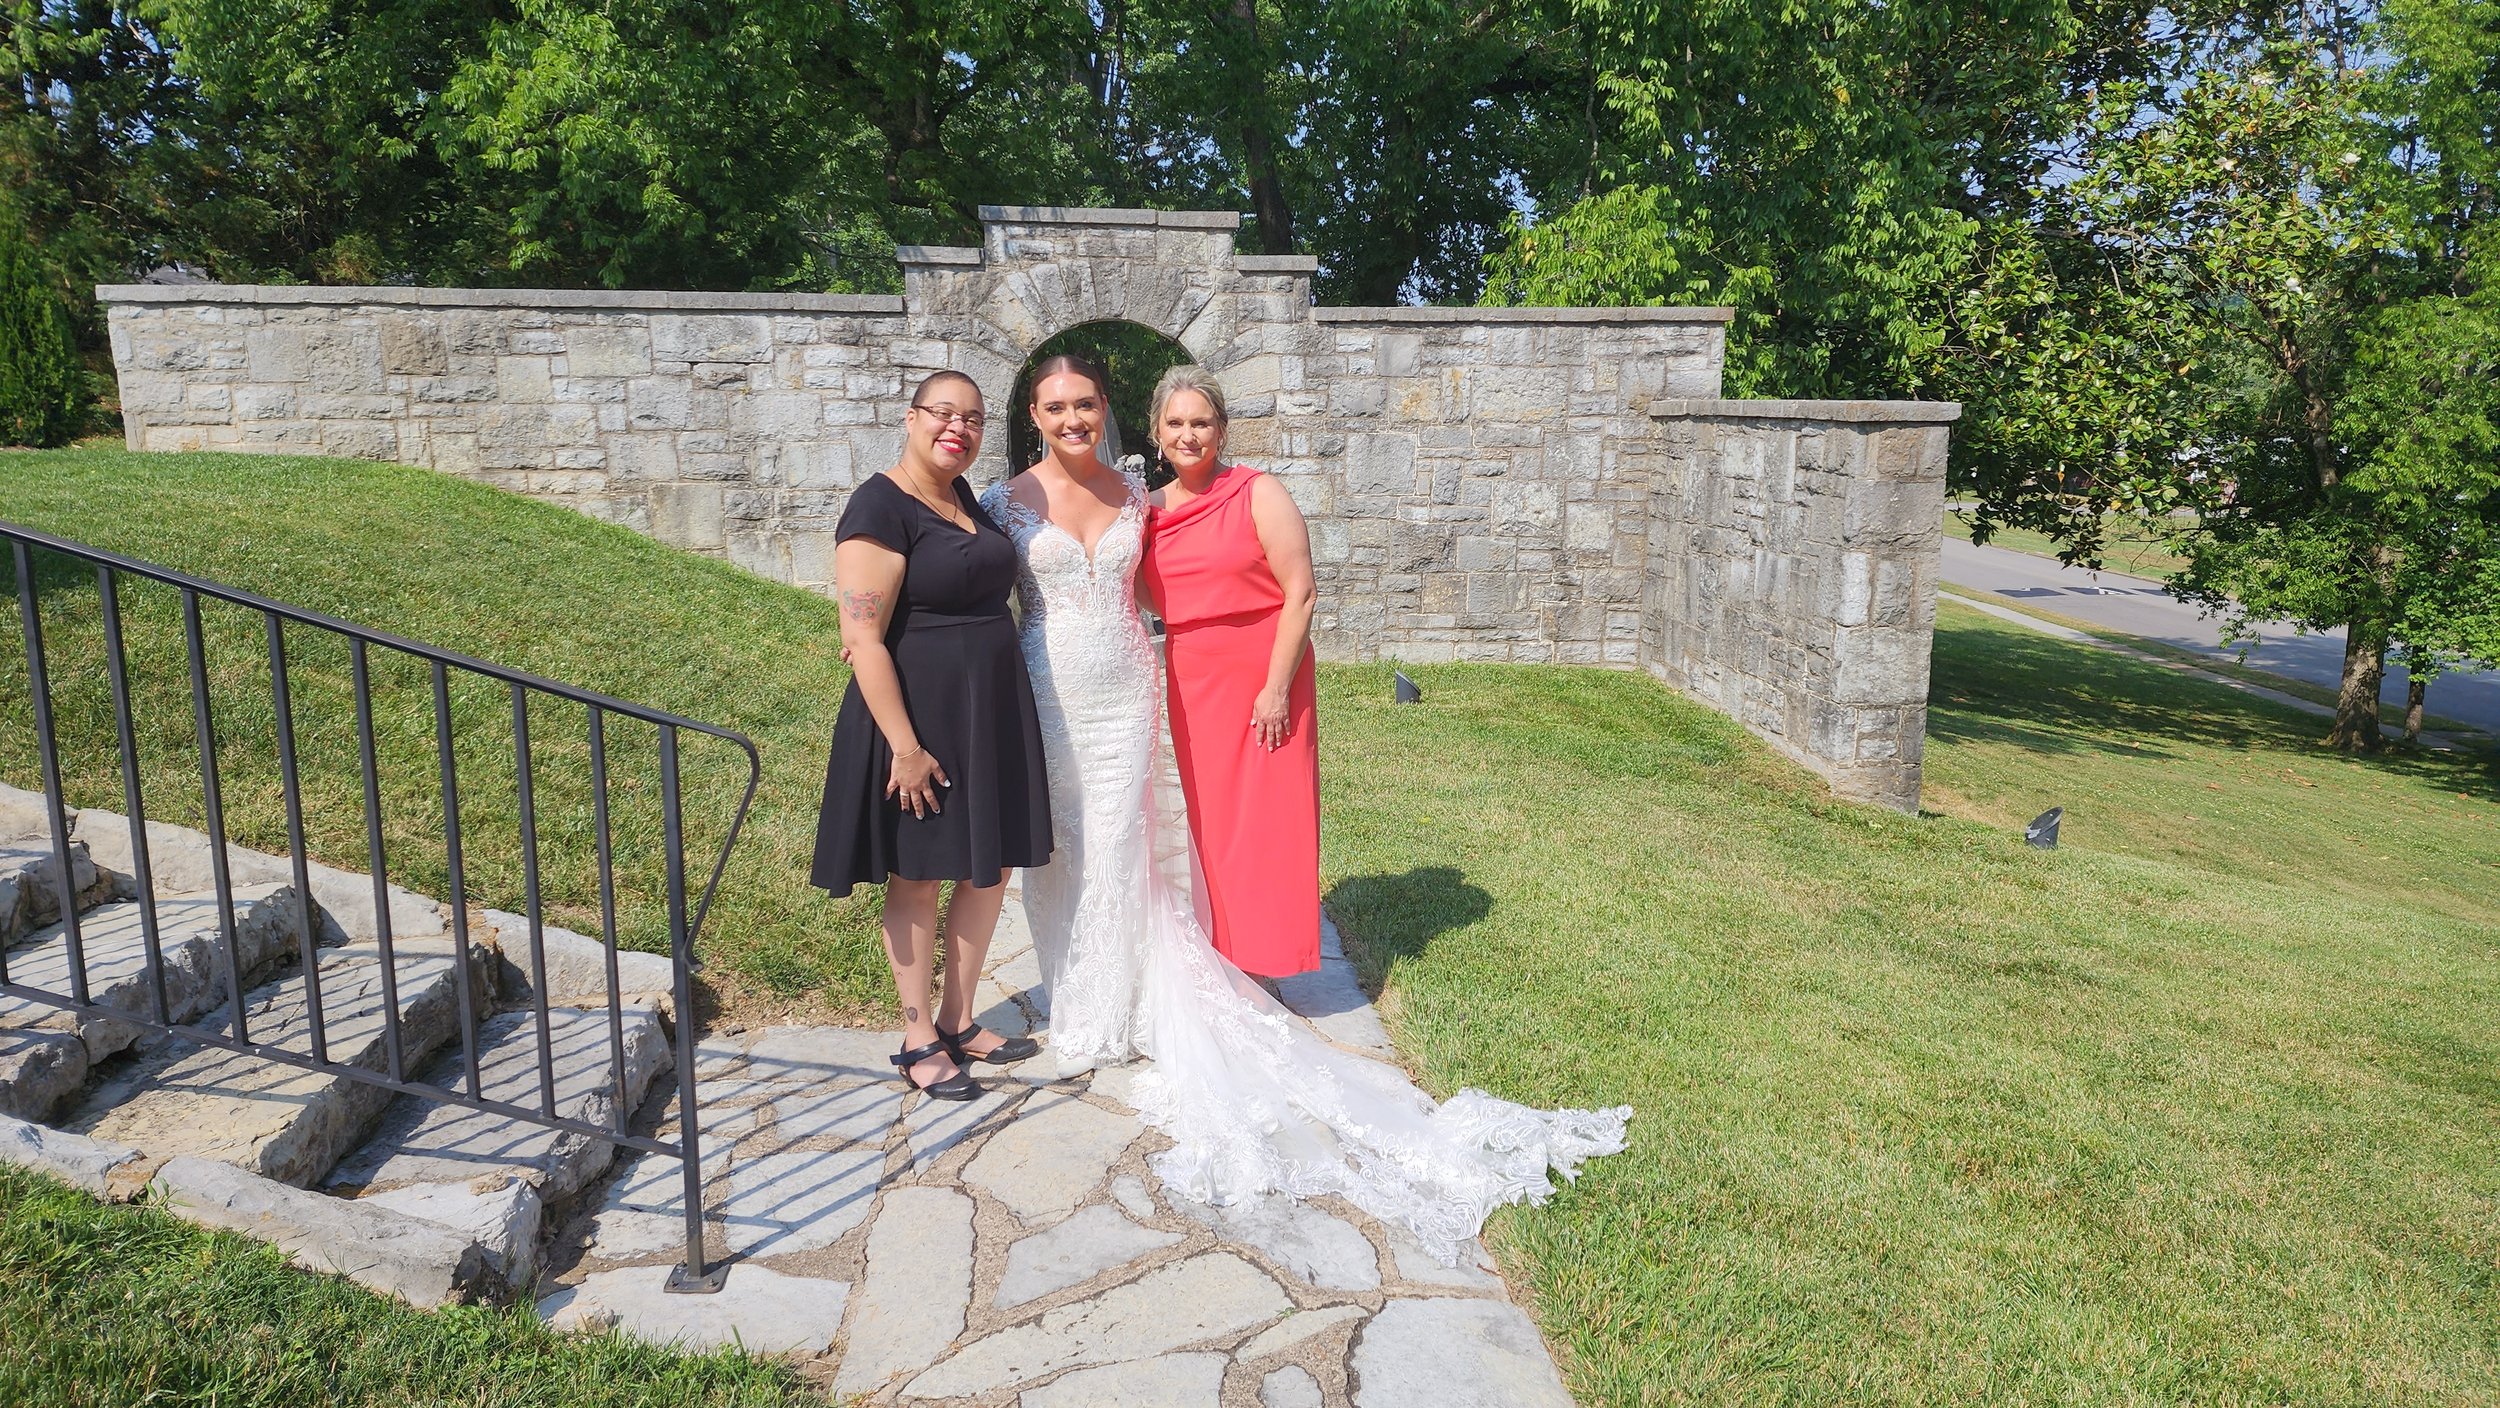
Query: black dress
column 954, row 644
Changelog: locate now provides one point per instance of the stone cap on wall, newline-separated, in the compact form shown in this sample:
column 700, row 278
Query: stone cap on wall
column 1899, row 412
column 536, row 299
column 1442, row 314
column 1087, row 215
column 1276, row 263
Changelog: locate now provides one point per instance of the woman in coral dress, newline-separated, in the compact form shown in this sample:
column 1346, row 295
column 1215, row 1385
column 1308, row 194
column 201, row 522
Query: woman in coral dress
column 1228, row 567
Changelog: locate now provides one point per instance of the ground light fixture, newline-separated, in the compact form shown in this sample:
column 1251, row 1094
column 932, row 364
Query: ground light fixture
column 1407, row 693
column 2042, row 832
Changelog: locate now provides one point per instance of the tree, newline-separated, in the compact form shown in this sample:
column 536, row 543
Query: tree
column 1822, row 166
column 43, row 390
column 2284, row 250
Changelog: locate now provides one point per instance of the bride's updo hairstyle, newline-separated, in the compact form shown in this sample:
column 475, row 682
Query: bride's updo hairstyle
column 1188, row 376
column 1080, row 366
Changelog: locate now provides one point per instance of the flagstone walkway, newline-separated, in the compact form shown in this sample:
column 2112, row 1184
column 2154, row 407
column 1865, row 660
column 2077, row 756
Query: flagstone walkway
column 1017, row 1250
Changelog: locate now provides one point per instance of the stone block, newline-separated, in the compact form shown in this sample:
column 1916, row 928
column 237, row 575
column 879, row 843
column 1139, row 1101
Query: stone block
column 607, row 351
column 1380, row 464
column 91, row 1166
column 715, row 338
column 424, row 1142
column 346, row 360
column 1527, row 508
column 38, row 1071
column 362, row 442
column 1166, row 1381
column 758, row 1311
column 913, row 1299
column 413, row 348
column 523, row 381
column 1203, row 1298
column 1088, row 1243
column 1447, row 1353
column 688, row 516
column 778, row 415
column 280, row 1122
column 499, row 1213
column 421, row 1262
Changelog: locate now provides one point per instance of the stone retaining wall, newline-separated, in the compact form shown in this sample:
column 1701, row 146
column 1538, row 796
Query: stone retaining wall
column 1792, row 584
column 1483, row 484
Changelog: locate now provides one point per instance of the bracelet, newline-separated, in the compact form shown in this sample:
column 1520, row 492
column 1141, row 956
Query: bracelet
column 915, row 748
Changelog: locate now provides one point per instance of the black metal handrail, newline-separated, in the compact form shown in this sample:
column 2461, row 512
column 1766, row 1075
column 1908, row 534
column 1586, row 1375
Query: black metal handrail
column 695, row 1273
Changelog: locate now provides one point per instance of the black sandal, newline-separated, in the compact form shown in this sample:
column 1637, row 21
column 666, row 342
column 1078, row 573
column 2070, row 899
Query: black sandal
column 958, row 1086
column 1006, row 1053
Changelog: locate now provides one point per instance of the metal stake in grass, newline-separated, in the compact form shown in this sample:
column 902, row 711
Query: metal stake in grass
column 2042, row 832
column 1407, row 692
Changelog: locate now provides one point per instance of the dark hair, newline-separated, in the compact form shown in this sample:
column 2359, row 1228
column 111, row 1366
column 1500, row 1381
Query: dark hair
column 934, row 378
column 1069, row 362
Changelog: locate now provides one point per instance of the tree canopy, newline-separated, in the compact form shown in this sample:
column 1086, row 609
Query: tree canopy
column 2224, row 264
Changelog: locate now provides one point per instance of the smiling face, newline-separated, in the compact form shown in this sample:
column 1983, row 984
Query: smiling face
column 1068, row 410
column 1190, row 432
column 944, row 426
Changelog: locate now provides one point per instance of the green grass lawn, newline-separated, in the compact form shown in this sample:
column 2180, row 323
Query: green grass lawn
column 107, row 1307
column 2130, row 546
column 502, row 578
column 2198, row 1109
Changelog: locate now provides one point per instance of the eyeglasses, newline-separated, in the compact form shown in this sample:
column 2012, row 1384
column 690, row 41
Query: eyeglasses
column 972, row 420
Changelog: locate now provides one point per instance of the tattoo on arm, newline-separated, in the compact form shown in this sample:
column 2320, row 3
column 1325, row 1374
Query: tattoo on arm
column 864, row 607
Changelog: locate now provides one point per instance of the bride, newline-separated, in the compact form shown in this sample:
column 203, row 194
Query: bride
column 1252, row 1098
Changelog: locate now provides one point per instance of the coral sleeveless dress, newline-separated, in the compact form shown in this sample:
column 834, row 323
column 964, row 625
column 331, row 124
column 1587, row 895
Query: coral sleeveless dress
column 1253, row 814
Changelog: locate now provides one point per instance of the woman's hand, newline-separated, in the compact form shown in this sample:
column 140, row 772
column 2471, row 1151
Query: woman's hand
column 914, row 781
column 1270, row 717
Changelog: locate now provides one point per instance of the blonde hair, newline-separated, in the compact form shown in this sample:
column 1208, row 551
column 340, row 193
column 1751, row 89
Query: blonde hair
column 1188, row 376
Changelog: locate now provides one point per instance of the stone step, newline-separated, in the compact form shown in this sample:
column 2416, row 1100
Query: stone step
column 46, row 1053
column 275, row 1120
column 30, row 891
column 492, row 1176
column 179, row 861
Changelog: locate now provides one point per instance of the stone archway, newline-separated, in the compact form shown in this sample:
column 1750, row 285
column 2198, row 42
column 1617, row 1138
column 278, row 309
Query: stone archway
column 1038, row 272
column 1132, row 355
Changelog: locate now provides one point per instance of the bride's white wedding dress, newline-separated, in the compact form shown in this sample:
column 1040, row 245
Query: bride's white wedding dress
column 1253, row 1099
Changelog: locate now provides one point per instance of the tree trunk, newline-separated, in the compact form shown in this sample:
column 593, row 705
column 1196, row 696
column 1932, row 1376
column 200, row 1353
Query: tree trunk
column 2414, row 687
column 2356, row 704
column 1258, row 141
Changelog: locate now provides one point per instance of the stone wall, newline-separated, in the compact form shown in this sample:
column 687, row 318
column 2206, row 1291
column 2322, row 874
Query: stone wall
column 1792, row 582
column 1483, row 484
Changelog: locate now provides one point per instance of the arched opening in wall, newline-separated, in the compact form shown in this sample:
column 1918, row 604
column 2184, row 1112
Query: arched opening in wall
column 1134, row 356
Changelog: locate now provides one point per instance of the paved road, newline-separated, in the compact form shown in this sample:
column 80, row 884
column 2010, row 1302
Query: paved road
column 2142, row 608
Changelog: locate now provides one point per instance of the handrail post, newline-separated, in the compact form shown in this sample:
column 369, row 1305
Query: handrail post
column 134, row 805
column 39, row 686
column 694, row 1276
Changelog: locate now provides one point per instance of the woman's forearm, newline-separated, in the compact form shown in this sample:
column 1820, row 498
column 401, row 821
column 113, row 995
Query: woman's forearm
column 881, row 688
column 1293, row 637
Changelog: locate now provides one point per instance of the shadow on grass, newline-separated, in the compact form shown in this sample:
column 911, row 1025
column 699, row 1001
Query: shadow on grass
column 1994, row 685
column 1397, row 916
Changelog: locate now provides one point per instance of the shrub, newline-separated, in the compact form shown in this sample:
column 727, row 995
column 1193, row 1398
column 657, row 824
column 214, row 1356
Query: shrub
column 43, row 390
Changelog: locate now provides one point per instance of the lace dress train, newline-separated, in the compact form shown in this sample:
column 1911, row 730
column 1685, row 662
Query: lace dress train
column 1254, row 1100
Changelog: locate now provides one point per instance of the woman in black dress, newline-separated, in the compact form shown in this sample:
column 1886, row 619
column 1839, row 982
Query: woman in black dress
column 937, row 770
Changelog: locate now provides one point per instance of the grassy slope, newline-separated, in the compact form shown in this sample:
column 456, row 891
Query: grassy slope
column 2189, row 1111
column 499, row 577
column 2185, row 1112
column 102, row 1307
